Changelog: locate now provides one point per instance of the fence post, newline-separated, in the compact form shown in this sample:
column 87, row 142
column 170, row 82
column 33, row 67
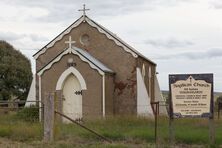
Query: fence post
column 49, row 117
column 211, row 131
column 56, row 119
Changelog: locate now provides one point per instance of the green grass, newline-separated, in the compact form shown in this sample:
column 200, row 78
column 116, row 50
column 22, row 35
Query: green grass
column 141, row 130
column 123, row 131
column 16, row 129
column 116, row 129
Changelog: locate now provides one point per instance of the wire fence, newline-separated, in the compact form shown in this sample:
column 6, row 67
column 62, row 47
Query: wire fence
column 18, row 118
column 18, row 109
column 19, row 122
column 31, row 112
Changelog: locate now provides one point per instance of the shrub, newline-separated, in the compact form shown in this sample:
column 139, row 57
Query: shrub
column 30, row 114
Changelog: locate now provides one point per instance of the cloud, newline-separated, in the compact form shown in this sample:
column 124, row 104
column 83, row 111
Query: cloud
column 10, row 36
column 37, row 38
column 214, row 53
column 58, row 11
column 210, row 54
column 216, row 4
column 24, row 42
column 168, row 43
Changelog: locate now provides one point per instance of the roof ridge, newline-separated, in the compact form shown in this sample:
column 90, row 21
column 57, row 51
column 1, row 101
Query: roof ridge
column 101, row 29
column 120, row 40
column 52, row 42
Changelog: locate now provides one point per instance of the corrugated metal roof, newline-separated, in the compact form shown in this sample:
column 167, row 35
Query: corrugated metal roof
column 96, row 62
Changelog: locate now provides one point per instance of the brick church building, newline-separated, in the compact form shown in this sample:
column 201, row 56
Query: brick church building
column 95, row 73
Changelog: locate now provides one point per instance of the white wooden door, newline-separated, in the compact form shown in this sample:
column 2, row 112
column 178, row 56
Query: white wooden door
column 72, row 102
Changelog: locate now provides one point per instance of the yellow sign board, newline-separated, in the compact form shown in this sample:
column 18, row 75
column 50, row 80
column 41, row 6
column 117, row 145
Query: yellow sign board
column 190, row 97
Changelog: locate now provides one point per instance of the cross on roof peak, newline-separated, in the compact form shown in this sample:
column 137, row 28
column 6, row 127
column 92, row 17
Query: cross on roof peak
column 84, row 10
column 70, row 42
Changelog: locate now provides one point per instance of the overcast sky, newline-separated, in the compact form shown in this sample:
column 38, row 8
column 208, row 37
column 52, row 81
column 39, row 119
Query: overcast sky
column 181, row 36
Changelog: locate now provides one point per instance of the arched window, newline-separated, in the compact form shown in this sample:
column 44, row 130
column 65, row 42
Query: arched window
column 150, row 76
column 143, row 71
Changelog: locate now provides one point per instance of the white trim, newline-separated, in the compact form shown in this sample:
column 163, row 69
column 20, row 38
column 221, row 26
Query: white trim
column 159, row 97
column 70, row 50
column 52, row 43
column 89, row 62
column 101, row 30
column 98, row 27
column 143, row 100
column 32, row 93
column 40, row 99
column 74, row 71
column 52, row 62
column 104, row 95
column 143, row 71
column 149, row 81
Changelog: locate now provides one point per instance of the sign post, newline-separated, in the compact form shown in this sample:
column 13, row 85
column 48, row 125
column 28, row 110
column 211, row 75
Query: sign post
column 191, row 95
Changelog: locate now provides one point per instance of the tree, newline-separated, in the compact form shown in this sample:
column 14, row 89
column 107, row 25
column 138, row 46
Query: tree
column 15, row 73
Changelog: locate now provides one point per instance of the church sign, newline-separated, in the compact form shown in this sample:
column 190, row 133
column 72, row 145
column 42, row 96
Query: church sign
column 191, row 95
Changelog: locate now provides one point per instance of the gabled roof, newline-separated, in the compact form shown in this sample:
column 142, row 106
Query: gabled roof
column 101, row 29
column 83, row 55
column 96, row 62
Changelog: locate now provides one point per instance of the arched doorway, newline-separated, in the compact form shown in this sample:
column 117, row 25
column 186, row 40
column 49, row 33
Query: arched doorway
column 70, row 82
column 72, row 99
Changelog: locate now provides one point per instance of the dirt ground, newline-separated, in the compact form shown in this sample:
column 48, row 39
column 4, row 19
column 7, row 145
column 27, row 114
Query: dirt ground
column 6, row 143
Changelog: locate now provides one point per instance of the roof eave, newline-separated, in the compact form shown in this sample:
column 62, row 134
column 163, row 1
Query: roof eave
column 57, row 36
column 51, row 62
column 124, row 43
column 148, row 60
column 134, row 52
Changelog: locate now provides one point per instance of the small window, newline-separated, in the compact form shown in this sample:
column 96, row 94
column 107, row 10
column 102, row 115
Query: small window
column 150, row 83
column 84, row 39
column 150, row 73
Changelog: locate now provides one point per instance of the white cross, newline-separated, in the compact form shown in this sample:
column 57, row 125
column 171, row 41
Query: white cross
column 70, row 42
column 84, row 10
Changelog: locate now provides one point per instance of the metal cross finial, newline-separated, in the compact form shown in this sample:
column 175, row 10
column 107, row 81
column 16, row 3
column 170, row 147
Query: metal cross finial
column 84, row 10
column 190, row 79
column 70, row 42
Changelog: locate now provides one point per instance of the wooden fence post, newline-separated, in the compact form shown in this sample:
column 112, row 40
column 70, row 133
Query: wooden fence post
column 56, row 119
column 211, row 131
column 49, row 117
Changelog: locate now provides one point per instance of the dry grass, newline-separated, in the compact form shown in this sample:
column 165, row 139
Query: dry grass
column 123, row 131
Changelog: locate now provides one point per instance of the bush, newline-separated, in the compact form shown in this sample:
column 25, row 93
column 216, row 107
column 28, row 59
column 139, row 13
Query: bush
column 219, row 99
column 30, row 114
column 15, row 73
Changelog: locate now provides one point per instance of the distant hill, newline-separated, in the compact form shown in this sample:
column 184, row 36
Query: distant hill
column 217, row 94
